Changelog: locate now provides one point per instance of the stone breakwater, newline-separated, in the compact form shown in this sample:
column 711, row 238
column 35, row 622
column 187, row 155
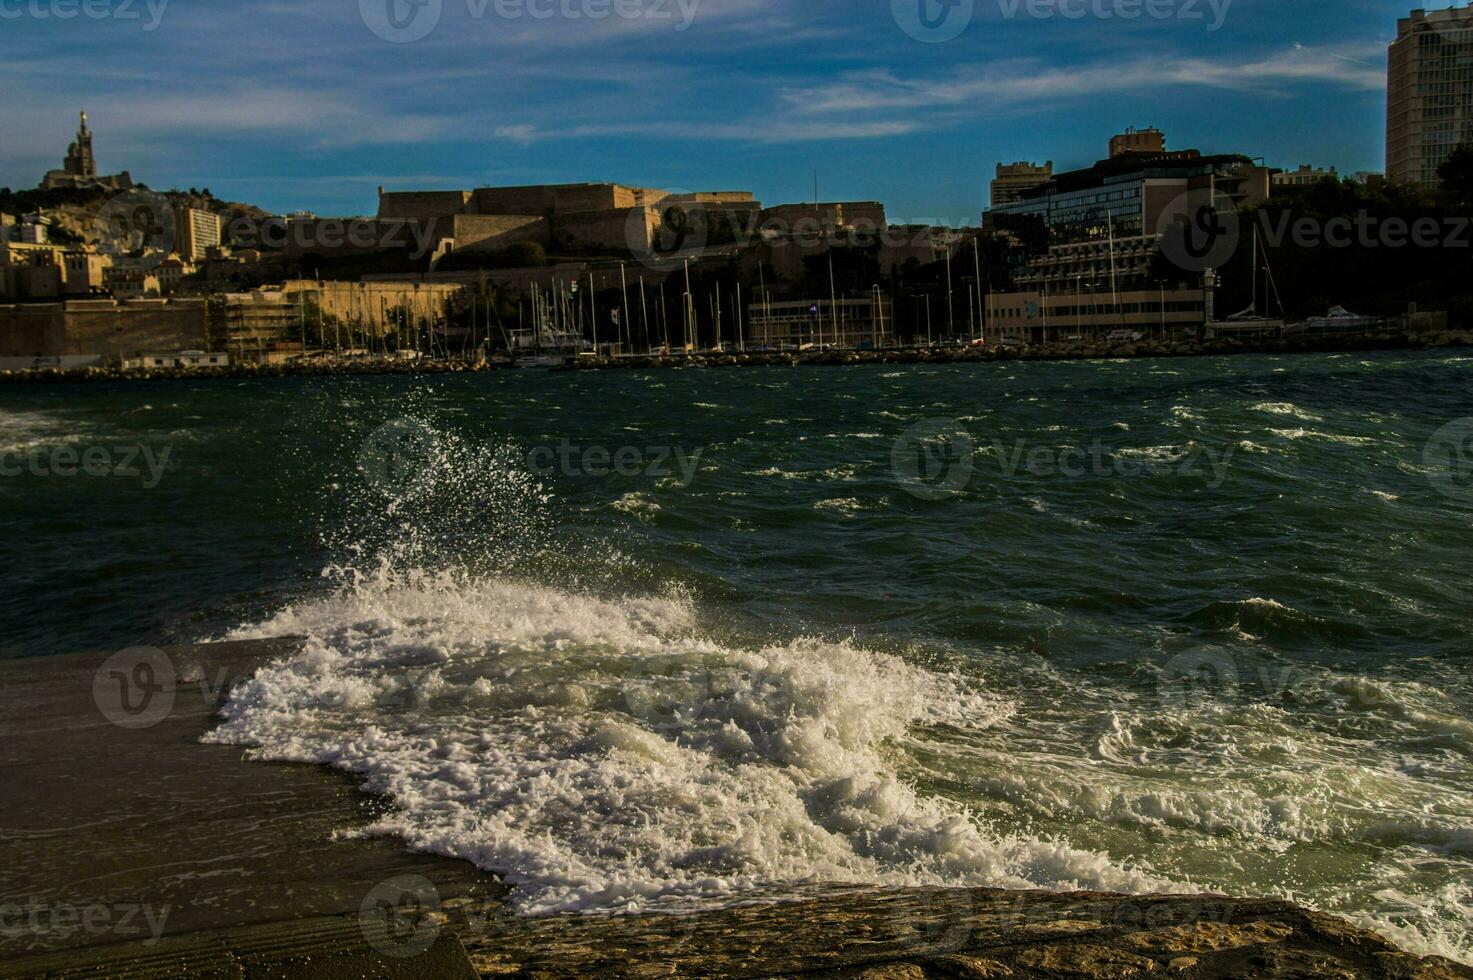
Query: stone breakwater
column 915, row 934
column 937, row 933
column 1048, row 352
column 1303, row 344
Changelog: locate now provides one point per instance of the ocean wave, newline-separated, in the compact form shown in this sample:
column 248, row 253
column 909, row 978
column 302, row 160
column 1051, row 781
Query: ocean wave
column 851, row 505
column 640, row 505
column 1287, row 408
column 1324, row 436
column 602, row 754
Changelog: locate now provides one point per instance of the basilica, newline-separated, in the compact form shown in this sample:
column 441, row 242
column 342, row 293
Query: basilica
column 79, row 169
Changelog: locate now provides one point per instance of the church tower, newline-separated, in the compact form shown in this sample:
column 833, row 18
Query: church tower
column 79, row 159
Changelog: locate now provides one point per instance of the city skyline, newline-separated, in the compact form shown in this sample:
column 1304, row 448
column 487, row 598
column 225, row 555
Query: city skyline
column 497, row 98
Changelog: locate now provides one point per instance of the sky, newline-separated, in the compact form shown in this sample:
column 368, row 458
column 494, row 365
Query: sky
column 313, row 104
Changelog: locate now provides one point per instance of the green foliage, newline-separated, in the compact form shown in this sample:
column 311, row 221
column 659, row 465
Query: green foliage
column 1457, row 177
column 526, row 255
column 1375, row 267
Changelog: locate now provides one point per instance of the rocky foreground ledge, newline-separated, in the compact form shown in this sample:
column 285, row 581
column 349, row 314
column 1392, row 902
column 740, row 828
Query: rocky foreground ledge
column 911, row 935
column 873, row 935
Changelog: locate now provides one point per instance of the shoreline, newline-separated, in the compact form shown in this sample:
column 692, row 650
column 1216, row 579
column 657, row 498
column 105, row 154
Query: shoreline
column 254, row 876
column 1124, row 350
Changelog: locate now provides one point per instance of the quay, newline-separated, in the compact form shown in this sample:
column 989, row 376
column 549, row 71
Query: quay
column 1057, row 351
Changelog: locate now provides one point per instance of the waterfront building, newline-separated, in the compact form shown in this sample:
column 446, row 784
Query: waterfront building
column 1105, row 223
column 1012, row 179
column 854, row 323
column 1429, row 93
column 176, row 359
column 1134, row 194
column 1090, row 311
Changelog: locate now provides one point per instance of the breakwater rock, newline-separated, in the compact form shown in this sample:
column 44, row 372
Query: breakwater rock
column 936, row 933
column 1299, row 344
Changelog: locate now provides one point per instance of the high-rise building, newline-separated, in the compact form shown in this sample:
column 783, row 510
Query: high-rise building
column 1014, row 178
column 1429, row 93
column 195, row 232
column 1148, row 140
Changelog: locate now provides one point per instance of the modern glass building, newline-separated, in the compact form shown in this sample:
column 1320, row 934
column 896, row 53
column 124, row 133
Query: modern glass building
column 1429, row 93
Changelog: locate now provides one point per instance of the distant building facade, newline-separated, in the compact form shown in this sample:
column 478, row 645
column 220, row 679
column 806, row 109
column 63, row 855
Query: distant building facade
column 1429, row 93
column 1131, row 195
column 576, row 217
column 1305, row 176
column 860, row 323
column 1012, row 179
column 41, row 271
column 1094, row 311
column 1148, row 140
column 195, row 233
column 79, row 168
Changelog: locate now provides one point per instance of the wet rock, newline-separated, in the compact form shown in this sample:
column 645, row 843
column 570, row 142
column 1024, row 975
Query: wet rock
column 962, row 933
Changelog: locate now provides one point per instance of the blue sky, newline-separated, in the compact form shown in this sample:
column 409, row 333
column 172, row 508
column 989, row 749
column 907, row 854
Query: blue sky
column 302, row 105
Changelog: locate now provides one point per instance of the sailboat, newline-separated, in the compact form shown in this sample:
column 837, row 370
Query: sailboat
column 545, row 345
column 1250, row 321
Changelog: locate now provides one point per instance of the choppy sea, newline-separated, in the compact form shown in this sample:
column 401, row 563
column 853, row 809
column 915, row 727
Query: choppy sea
column 667, row 640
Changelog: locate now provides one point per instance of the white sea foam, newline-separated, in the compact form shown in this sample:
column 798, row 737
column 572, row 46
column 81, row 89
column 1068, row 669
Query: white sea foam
column 602, row 754
column 1323, row 436
column 1289, row 409
column 640, row 505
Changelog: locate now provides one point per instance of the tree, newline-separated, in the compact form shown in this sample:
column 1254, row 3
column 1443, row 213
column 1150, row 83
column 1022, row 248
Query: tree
column 526, row 255
column 1457, row 176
